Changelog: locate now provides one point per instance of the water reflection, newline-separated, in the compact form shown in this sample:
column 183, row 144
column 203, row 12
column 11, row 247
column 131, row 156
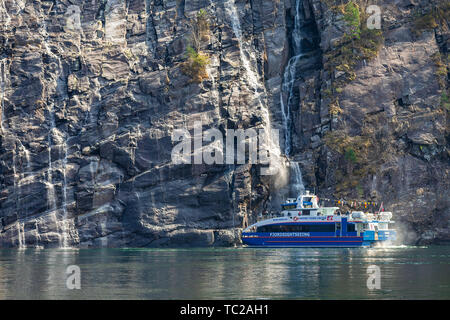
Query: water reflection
column 225, row 273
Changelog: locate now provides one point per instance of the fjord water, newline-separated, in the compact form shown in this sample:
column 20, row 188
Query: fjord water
column 226, row 273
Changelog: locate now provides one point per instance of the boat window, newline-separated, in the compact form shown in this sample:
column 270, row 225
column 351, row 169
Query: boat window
column 329, row 227
column 383, row 226
column 351, row 227
column 289, row 206
column 322, row 228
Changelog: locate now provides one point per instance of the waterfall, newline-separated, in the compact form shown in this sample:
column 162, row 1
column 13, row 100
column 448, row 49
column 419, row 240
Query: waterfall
column 297, row 185
column 51, row 198
column 289, row 78
column 15, row 181
column 104, row 238
column 63, row 222
column 21, row 234
column 27, row 158
column 6, row 129
column 64, row 204
column 287, row 91
column 60, row 139
column 231, row 11
column 38, row 235
column 2, row 91
column 247, row 57
column 5, row 20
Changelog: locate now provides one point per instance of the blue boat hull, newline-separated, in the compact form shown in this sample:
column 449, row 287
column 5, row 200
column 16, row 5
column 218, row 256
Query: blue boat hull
column 305, row 241
column 314, row 234
column 367, row 240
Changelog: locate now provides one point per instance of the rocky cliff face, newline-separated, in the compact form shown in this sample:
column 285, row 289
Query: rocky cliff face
column 388, row 137
column 91, row 92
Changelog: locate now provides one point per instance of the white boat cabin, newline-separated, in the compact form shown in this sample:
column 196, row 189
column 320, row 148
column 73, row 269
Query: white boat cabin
column 306, row 205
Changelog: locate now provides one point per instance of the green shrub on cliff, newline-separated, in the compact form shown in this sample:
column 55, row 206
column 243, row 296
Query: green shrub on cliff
column 352, row 17
column 350, row 155
column 438, row 15
column 445, row 101
column 195, row 66
column 360, row 155
column 199, row 30
column 358, row 45
column 349, row 54
column 197, row 61
column 425, row 22
column 441, row 68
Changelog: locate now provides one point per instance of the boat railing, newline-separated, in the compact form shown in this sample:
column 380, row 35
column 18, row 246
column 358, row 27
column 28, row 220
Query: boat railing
column 262, row 217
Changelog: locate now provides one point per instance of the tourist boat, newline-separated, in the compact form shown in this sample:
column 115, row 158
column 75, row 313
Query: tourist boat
column 302, row 223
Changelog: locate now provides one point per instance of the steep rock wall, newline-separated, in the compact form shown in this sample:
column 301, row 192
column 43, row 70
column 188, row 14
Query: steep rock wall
column 91, row 92
column 382, row 126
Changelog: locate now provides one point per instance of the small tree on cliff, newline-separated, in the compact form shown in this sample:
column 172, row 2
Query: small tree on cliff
column 199, row 30
column 195, row 65
column 353, row 19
